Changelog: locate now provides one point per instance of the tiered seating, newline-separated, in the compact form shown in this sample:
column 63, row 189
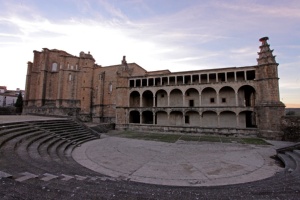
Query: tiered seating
column 42, row 149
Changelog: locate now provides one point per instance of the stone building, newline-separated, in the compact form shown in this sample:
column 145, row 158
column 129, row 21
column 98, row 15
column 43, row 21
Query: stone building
column 236, row 100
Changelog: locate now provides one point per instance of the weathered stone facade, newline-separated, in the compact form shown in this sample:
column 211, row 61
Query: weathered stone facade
column 227, row 101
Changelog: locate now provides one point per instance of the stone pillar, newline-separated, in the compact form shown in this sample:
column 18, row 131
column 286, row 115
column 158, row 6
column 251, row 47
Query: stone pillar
column 218, row 116
column 200, row 100
column 183, row 100
column 141, row 117
column 207, row 78
column 235, row 76
column 168, row 100
column 225, row 76
column 141, row 100
column 236, row 99
column 217, row 78
column 153, row 118
column 218, row 101
column 237, row 121
column 245, row 75
column 154, row 101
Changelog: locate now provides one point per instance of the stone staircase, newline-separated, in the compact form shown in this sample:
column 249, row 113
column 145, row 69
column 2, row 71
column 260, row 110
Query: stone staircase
column 36, row 163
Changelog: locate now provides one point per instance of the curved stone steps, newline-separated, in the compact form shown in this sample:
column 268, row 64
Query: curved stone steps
column 289, row 162
column 7, row 137
column 14, row 159
column 296, row 159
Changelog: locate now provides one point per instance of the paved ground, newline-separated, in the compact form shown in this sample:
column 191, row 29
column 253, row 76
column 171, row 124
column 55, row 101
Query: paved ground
column 22, row 118
column 178, row 164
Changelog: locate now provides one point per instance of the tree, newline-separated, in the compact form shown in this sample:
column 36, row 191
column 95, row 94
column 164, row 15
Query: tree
column 19, row 104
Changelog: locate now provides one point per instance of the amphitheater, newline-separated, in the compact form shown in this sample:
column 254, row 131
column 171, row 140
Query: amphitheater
column 59, row 158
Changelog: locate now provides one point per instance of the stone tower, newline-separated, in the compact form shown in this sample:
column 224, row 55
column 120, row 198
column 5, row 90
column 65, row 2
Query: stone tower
column 268, row 108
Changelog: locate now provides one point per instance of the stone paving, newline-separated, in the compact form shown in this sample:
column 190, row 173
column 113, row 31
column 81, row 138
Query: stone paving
column 35, row 164
column 178, row 164
column 22, row 118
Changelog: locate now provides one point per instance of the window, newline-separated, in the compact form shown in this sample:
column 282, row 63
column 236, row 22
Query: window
column 187, row 119
column 110, row 88
column 223, row 100
column 54, row 67
column 191, row 103
column 70, row 77
column 212, row 100
column 72, row 67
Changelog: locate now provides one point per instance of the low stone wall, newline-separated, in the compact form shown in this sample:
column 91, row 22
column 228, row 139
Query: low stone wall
column 7, row 110
column 51, row 111
column 201, row 130
column 290, row 125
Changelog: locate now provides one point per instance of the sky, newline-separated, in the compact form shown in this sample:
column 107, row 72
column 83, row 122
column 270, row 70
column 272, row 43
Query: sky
column 179, row 35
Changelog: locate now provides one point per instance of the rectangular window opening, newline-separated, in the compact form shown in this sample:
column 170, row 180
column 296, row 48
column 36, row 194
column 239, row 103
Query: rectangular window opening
column 223, row 100
column 191, row 103
column 187, row 119
column 212, row 100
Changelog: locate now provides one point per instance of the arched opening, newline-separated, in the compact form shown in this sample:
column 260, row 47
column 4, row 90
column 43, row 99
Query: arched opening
column 134, row 117
column 247, row 119
column 161, row 98
column 246, row 96
column 209, row 119
column 176, row 98
column 54, row 67
column 161, row 118
column 228, row 119
column 134, row 99
column 147, row 99
column 192, row 97
column 147, row 117
column 208, row 97
column 192, row 118
column 227, row 96
column 176, row 118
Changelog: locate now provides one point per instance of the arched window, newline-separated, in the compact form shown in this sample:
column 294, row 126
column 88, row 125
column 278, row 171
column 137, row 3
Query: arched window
column 54, row 67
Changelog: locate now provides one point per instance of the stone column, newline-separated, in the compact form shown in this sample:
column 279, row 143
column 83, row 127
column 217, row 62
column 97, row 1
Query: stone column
column 236, row 99
column 141, row 117
column 200, row 100
column 183, row 100
column 237, row 121
column 168, row 100
column 153, row 118
column 235, row 76
column 141, row 100
column 154, row 101
column 218, row 116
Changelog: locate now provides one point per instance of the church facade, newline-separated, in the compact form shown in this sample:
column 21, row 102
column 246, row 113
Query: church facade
column 238, row 100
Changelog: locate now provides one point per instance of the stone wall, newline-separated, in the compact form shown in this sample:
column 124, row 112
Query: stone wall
column 290, row 125
column 196, row 130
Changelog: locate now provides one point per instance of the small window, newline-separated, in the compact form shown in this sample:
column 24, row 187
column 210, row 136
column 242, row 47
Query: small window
column 212, row 100
column 191, row 103
column 223, row 100
column 54, row 67
column 187, row 119
column 72, row 67
column 70, row 77
column 110, row 88
column 162, row 95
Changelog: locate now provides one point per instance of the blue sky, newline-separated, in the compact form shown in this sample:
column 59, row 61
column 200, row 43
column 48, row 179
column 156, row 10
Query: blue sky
column 178, row 35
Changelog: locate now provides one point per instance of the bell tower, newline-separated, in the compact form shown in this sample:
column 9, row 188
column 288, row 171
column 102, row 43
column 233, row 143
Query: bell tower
column 268, row 108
